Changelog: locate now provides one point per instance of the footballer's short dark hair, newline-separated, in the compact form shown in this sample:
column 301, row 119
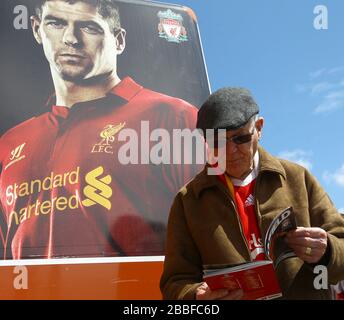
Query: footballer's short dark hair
column 106, row 8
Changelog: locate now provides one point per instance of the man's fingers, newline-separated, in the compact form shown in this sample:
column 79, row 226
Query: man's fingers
column 301, row 232
column 298, row 232
column 203, row 292
column 307, row 242
column 219, row 294
column 309, row 254
column 216, row 294
column 308, row 251
column 233, row 295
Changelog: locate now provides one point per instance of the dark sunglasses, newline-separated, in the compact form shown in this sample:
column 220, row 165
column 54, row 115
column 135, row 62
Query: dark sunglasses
column 241, row 139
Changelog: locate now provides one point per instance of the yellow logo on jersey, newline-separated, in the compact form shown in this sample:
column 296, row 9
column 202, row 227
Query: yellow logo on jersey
column 97, row 191
column 108, row 137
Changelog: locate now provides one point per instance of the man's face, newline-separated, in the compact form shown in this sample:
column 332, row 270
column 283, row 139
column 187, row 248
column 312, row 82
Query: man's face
column 77, row 40
column 239, row 157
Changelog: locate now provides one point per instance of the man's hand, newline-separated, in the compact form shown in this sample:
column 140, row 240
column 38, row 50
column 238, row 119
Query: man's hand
column 203, row 292
column 309, row 244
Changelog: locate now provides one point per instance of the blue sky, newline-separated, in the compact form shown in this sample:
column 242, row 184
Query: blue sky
column 295, row 72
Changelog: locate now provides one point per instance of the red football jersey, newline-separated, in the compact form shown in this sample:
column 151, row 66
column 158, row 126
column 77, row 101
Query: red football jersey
column 243, row 194
column 245, row 202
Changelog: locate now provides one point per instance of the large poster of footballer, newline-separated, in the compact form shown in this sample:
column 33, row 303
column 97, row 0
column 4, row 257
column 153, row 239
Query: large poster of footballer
column 92, row 95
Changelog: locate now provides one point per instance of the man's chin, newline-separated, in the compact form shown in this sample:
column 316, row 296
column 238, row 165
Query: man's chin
column 73, row 77
column 71, row 72
column 235, row 172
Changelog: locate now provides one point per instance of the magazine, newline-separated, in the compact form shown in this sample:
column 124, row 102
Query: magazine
column 257, row 279
column 276, row 249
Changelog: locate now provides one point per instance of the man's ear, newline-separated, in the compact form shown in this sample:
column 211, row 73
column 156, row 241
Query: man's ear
column 35, row 24
column 259, row 126
column 120, row 40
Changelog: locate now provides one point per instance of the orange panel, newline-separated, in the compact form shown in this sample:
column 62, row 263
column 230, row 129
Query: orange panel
column 119, row 281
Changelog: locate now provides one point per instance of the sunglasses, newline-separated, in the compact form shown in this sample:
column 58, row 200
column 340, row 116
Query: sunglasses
column 240, row 139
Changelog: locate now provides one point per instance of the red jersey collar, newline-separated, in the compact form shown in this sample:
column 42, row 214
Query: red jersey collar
column 126, row 89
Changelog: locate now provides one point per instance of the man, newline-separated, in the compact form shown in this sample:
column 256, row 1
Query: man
column 222, row 219
column 64, row 190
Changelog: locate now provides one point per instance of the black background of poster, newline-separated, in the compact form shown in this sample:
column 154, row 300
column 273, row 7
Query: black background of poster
column 176, row 69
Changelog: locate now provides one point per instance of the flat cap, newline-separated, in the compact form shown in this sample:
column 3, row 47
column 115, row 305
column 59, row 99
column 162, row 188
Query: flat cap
column 227, row 108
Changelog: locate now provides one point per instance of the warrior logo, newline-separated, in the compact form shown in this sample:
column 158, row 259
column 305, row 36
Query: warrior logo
column 171, row 27
column 97, row 191
column 16, row 155
column 108, row 137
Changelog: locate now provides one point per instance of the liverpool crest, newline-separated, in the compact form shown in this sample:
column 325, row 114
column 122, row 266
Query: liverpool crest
column 107, row 138
column 171, row 27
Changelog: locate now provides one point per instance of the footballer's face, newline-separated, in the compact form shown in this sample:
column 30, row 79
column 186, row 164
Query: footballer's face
column 77, row 41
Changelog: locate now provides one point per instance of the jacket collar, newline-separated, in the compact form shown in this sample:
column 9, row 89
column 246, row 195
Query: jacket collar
column 267, row 163
column 270, row 163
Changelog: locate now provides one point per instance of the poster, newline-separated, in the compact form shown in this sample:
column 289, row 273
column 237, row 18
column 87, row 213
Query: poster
column 90, row 102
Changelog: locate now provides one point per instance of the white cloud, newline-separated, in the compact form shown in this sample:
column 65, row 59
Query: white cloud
column 335, row 95
column 298, row 156
column 320, row 87
column 326, row 86
column 325, row 71
column 339, row 176
column 317, row 73
column 332, row 101
column 336, row 69
column 336, row 177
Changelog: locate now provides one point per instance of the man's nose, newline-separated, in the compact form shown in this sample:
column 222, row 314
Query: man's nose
column 70, row 36
column 231, row 147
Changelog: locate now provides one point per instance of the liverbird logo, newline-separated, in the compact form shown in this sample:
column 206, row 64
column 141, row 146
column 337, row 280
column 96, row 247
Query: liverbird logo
column 171, row 27
column 107, row 138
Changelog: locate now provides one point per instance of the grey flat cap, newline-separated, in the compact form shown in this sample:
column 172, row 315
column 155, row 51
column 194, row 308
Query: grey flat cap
column 227, row 108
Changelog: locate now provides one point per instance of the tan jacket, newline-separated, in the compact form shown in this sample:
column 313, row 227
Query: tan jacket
column 204, row 229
